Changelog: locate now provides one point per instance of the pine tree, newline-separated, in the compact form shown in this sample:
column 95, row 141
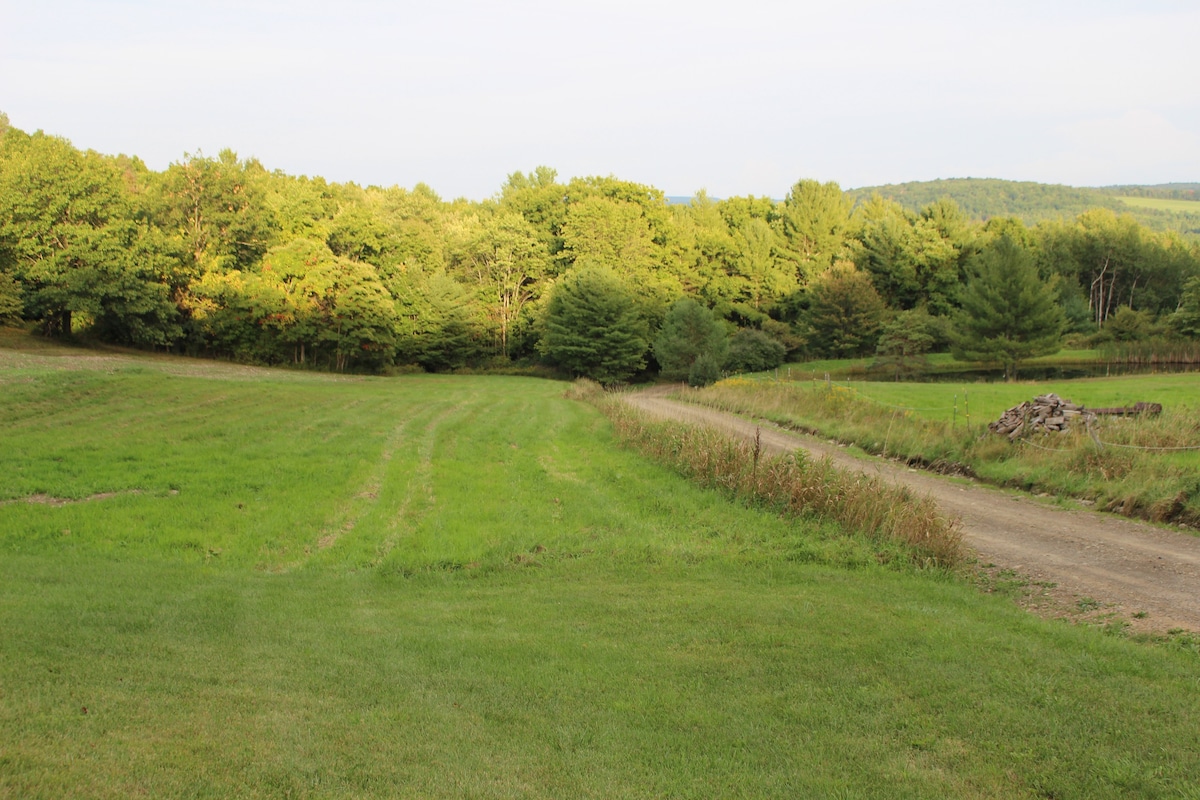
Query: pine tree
column 688, row 332
column 1008, row 313
column 592, row 327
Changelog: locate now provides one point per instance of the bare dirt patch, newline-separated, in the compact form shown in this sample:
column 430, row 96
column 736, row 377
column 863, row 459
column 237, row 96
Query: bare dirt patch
column 50, row 500
column 1106, row 568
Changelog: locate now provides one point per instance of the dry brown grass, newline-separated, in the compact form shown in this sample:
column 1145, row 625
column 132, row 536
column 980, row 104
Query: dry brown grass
column 793, row 483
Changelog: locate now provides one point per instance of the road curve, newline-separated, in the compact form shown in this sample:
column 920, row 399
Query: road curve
column 1128, row 567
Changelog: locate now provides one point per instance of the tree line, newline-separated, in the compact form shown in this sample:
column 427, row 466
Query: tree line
column 220, row 256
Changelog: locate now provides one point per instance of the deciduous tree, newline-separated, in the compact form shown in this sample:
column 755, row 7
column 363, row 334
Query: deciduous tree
column 844, row 313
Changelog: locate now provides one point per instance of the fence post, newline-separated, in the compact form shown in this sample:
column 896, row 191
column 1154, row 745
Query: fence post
column 967, row 404
column 954, row 419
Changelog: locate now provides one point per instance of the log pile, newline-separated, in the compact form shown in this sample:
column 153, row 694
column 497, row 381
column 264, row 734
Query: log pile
column 1045, row 413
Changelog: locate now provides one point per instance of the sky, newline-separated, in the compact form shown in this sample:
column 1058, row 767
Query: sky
column 737, row 97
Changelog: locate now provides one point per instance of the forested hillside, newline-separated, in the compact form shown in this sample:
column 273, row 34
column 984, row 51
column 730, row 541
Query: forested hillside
column 985, row 198
column 221, row 256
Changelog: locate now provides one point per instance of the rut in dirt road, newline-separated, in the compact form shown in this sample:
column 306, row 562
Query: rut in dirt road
column 1132, row 567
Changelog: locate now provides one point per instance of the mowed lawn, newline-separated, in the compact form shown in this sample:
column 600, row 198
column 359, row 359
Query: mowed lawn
column 246, row 583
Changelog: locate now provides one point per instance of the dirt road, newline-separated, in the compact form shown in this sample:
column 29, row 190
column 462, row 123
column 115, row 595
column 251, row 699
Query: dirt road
column 1087, row 561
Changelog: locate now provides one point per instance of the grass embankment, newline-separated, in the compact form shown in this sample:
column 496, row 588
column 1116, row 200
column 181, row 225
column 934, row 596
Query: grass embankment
column 928, row 423
column 279, row 584
column 905, row 525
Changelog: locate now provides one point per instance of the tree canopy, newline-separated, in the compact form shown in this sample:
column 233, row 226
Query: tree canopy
column 221, row 256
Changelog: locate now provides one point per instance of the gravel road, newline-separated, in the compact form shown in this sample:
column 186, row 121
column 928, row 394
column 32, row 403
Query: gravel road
column 1120, row 568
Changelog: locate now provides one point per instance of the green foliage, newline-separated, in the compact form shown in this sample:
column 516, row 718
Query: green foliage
column 705, row 370
column 437, row 322
column 904, row 341
column 753, row 350
column 1031, row 202
column 618, row 235
column 217, row 210
column 1008, row 313
column 812, row 222
column 11, row 303
column 844, row 313
column 1127, row 325
column 65, row 223
column 911, row 260
column 689, row 331
column 1186, row 320
column 507, row 264
column 192, row 258
column 593, row 328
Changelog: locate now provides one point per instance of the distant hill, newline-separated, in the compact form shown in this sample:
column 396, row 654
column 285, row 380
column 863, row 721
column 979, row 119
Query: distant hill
column 984, row 198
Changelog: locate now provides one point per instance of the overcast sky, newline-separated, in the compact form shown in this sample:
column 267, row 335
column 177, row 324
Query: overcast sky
column 736, row 97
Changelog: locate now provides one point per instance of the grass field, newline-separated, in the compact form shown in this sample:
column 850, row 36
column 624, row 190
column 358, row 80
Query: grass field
column 254, row 583
column 1145, row 467
column 1163, row 203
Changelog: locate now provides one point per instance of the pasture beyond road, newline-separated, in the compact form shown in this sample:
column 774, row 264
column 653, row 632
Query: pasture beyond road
column 1149, row 574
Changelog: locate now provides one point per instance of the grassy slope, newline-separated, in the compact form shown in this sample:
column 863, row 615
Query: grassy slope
column 460, row 587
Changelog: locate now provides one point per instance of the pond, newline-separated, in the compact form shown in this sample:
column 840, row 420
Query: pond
column 1033, row 372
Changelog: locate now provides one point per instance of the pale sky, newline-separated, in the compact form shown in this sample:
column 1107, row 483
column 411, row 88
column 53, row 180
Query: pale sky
column 737, row 97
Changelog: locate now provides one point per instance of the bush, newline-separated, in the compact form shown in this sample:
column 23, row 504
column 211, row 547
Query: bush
column 705, row 370
column 753, row 351
column 11, row 304
column 689, row 333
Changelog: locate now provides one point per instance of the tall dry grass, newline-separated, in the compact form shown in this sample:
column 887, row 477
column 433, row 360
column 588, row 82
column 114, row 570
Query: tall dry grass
column 1137, row 466
column 793, row 483
column 1152, row 353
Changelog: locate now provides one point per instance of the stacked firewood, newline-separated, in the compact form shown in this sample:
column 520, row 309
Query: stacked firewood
column 1046, row 412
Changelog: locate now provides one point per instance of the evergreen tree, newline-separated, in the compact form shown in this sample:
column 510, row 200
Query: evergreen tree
column 845, row 312
column 1186, row 320
column 592, row 327
column 688, row 332
column 903, row 343
column 1008, row 312
column 11, row 304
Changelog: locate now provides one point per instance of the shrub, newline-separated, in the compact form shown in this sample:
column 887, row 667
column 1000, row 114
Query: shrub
column 689, row 332
column 704, row 371
column 753, row 351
